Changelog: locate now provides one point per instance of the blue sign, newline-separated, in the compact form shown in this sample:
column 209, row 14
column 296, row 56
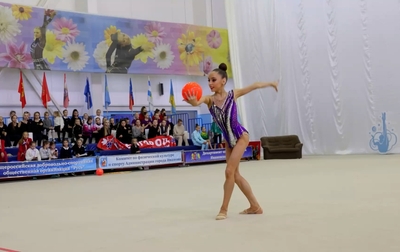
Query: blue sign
column 382, row 138
column 217, row 155
column 49, row 167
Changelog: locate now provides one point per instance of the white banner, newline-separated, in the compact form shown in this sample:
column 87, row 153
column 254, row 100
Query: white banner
column 139, row 160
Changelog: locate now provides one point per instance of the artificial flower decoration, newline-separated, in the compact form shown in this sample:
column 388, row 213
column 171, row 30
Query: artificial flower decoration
column 155, row 32
column 53, row 48
column 21, row 12
column 190, row 49
column 163, row 56
column 110, row 31
column 16, row 56
column 75, row 56
column 214, row 39
column 65, row 29
column 9, row 26
column 141, row 40
column 99, row 54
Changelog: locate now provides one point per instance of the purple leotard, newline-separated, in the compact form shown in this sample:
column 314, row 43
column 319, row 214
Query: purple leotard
column 227, row 119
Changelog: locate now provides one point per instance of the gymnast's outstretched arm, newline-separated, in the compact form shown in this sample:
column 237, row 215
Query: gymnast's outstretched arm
column 257, row 85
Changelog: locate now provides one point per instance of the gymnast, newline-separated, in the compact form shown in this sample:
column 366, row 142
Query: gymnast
column 222, row 106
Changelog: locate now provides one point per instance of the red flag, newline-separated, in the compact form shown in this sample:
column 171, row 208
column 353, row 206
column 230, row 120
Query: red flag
column 111, row 143
column 45, row 92
column 21, row 90
column 66, row 96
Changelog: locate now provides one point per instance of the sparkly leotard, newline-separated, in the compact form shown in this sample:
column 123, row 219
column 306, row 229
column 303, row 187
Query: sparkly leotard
column 227, row 119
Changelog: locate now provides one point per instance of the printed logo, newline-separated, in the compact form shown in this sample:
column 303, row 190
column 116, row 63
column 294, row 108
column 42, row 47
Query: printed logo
column 103, row 161
column 382, row 138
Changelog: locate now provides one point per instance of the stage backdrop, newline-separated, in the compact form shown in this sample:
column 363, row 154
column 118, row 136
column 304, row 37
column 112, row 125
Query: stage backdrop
column 338, row 65
column 35, row 38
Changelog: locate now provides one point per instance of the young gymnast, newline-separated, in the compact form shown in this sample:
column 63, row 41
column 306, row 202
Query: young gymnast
column 222, row 106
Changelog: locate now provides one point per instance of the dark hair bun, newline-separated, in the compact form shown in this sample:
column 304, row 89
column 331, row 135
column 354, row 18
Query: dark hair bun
column 223, row 67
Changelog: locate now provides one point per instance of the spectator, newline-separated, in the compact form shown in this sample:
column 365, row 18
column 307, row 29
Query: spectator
column 180, row 133
column 12, row 113
column 45, row 152
column 105, row 131
column 3, row 153
column 23, row 146
column 85, row 118
column 48, row 126
column 88, row 130
column 163, row 114
column 154, row 130
column 37, row 128
column 138, row 131
column 164, row 129
column 98, row 114
column 217, row 134
column 198, row 140
column 66, row 130
column 78, row 150
column 113, row 126
column 58, row 125
column 123, row 133
column 135, row 118
column 142, row 114
column 77, row 130
column 96, row 130
column 65, row 151
column 32, row 154
column 135, row 149
column 13, row 132
column 205, row 135
column 3, row 131
column 25, row 125
column 53, row 151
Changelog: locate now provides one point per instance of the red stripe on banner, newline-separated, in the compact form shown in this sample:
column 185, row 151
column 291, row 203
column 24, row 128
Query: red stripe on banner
column 8, row 250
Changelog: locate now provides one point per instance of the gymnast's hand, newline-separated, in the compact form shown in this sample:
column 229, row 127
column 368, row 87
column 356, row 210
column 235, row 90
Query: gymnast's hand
column 191, row 98
column 275, row 85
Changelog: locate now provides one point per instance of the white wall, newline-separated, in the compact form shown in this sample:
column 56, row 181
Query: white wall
column 176, row 11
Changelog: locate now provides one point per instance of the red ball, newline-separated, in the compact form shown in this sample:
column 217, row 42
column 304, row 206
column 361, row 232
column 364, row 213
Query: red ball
column 99, row 172
column 192, row 88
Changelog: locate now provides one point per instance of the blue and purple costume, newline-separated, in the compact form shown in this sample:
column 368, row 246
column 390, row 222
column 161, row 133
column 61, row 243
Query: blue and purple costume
column 227, row 119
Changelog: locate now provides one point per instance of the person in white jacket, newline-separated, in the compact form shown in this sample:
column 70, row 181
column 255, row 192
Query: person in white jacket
column 58, row 124
column 32, row 154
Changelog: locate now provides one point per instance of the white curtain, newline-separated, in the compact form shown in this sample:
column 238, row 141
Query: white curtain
column 337, row 61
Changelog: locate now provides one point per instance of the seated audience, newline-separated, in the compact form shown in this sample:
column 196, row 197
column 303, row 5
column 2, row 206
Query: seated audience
column 45, row 152
column 154, row 130
column 198, row 140
column 135, row 149
column 105, row 131
column 180, row 134
column 65, row 151
column 77, row 130
column 23, row 145
column 32, row 154
column 78, row 150
column 138, row 131
column 37, row 129
column 3, row 131
column 48, row 128
column 96, row 129
column 88, row 130
column 53, row 151
column 164, row 128
column 123, row 133
column 3, row 153
column 205, row 135
column 217, row 134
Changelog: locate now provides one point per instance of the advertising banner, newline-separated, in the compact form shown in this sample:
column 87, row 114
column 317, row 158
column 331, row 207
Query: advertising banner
column 140, row 160
column 50, row 167
column 204, row 156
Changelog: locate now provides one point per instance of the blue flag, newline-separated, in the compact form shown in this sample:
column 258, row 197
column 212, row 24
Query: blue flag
column 88, row 95
column 172, row 98
column 150, row 97
column 107, row 100
column 131, row 99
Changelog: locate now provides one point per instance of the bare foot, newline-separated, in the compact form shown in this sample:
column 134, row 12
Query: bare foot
column 252, row 210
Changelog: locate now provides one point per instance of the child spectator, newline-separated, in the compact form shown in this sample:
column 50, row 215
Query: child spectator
column 135, row 149
column 23, row 146
column 96, row 129
column 53, row 151
column 77, row 130
column 217, row 134
column 32, row 154
column 58, row 125
column 198, row 140
column 13, row 132
column 88, row 130
column 45, row 152
column 154, row 130
column 3, row 153
column 65, row 151
column 164, row 128
column 48, row 126
column 204, row 134
column 78, row 150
